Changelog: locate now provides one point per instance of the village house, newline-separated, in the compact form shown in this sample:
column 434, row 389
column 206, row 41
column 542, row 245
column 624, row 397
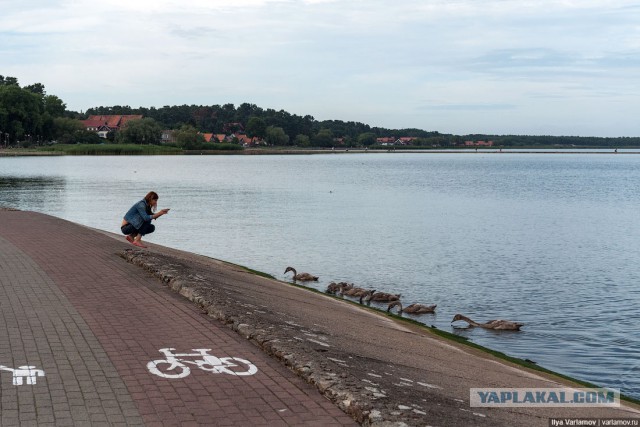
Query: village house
column 168, row 136
column 405, row 140
column 386, row 140
column 103, row 124
column 478, row 143
column 247, row 141
column 392, row 140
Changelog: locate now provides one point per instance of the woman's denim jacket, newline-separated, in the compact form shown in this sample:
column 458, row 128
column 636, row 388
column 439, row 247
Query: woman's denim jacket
column 138, row 215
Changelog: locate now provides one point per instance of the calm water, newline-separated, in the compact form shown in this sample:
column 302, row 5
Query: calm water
column 546, row 239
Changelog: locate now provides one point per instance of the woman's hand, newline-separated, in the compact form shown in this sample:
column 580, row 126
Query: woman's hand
column 159, row 213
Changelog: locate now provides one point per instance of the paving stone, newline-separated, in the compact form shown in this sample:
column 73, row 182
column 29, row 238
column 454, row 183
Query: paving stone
column 91, row 321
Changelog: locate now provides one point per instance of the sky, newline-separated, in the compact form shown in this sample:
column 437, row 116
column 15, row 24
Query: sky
column 561, row 67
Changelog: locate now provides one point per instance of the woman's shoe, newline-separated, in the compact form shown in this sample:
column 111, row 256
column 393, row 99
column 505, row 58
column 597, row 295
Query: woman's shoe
column 138, row 244
column 130, row 239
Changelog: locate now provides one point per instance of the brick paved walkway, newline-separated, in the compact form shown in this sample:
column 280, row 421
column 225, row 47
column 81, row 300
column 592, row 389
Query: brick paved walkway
column 69, row 306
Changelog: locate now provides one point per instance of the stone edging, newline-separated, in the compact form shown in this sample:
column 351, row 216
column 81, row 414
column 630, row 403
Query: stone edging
column 337, row 386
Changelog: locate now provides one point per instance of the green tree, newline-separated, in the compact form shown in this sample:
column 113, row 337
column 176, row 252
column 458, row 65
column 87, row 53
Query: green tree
column 276, row 136
column 65, row 130
column 349, row 141
column 20, row 113
column 256, row 127
column 367, row 138
column 8, row 81
column 37, row 88
column 324, row 138
column 143, row 131
column 54, row 106
column 189, row 138
column 84, row 136
column 302, row 140
column 245, row 111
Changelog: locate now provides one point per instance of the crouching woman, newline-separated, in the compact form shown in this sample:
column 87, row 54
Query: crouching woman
column 137, row 220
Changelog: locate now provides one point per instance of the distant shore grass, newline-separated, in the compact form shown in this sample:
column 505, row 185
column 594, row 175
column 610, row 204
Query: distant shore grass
column 110, row 149
column 228, row 148
column 132, row 149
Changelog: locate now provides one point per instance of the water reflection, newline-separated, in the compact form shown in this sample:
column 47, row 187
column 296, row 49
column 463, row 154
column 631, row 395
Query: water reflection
column 32, row 193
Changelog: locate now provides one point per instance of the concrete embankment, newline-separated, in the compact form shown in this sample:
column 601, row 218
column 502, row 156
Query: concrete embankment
column 376, row 369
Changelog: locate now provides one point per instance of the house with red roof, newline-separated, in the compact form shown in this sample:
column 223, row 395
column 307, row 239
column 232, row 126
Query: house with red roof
column 103, row 124
column 478, row 143
column 248, row 141
column 386, row 140
column 405, row 140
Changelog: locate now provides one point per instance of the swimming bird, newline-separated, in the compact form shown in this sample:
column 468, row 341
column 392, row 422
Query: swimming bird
column 412, row 308
column 333, row 288
column 355, row 292
column 303, row 277
column 384, row 297
column 337, row 288
column 344, row 286
column 366, row 297
column 497, row 324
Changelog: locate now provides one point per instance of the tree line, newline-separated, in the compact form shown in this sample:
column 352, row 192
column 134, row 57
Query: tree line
column 30, row 116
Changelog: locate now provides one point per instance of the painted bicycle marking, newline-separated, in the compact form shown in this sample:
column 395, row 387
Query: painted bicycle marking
column 28, row 373
column 175, row 366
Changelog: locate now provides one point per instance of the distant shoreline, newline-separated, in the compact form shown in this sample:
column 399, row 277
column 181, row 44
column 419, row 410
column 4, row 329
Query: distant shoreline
column 13, row 152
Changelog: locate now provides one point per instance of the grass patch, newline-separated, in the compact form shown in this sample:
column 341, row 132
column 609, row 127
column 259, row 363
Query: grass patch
column 218, row 148
column 110, row 149
column 249, row 270
column 258, row 273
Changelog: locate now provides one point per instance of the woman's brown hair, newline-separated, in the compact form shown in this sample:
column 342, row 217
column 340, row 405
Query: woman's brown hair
column 151, row 195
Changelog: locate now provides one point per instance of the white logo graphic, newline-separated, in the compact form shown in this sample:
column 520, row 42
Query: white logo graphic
column 175, row 367
column 28, row 372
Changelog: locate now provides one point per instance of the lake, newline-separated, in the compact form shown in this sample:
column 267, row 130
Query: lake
column 545, row 239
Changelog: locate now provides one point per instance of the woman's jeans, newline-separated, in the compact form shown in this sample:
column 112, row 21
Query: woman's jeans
column 146, row 228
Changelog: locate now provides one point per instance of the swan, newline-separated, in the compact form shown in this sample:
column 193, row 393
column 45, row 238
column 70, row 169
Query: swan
column 344, row 286
column 333, row 288
column 412, row 308
column 304, row 277
column 384, row 297
column 337, row 288
column 500, row 325
column 366, row 297
column 355, row 292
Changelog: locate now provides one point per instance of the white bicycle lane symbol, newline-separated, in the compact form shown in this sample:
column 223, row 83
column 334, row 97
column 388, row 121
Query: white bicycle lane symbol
column 174, row 366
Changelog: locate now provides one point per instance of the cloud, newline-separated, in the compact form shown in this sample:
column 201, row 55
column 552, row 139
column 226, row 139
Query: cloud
column 467, row 107
column 375, row 61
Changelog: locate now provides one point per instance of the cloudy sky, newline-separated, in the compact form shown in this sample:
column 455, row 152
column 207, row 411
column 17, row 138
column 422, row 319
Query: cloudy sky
column 540, row 67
